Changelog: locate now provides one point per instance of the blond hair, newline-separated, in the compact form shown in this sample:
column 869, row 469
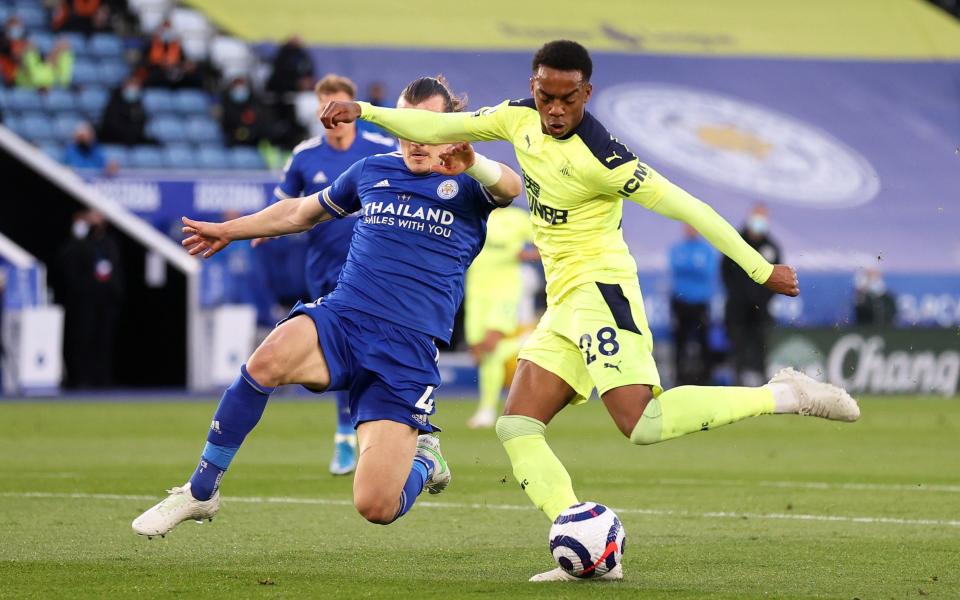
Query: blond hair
column 333, row 83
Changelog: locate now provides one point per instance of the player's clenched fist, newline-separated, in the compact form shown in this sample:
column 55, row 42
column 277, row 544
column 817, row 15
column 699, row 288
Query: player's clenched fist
column 784, row 281
column 339, row 111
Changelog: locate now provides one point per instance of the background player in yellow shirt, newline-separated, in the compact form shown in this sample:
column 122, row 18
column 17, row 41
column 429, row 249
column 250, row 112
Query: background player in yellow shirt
column 492, row 305
column 595, row 333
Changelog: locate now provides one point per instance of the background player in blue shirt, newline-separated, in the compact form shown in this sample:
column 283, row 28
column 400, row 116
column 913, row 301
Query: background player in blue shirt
column 315, row 163
column 423, row 221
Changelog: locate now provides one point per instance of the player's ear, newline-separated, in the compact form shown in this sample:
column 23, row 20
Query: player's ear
column 531, row 87
column 587, row 91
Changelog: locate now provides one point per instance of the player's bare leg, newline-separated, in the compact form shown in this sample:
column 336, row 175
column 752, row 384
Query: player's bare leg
column 290, row 354
column 385, row 485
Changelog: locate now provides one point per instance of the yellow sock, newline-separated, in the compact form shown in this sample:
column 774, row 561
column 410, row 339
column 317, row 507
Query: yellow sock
column 536, row 467
column 492, row 370
column 690, row 408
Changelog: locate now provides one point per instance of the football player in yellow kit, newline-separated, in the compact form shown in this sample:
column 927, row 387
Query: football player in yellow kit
column 594, row 333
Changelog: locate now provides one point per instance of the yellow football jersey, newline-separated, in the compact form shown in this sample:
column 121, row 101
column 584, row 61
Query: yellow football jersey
column 496, row 270
column 575, row 190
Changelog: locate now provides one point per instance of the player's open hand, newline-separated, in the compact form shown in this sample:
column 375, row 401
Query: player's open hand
column 784, row 281
column 455, row 159
column 203, row 238
column 339, row 111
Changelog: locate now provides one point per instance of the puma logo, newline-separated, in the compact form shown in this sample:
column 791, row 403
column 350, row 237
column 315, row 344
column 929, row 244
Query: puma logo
column 607, row 365
column 613, row 157
column 527, row 137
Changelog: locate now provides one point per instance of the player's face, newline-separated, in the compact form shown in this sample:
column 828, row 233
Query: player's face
column 342, row 128
column 420, row 157
column 561, row 97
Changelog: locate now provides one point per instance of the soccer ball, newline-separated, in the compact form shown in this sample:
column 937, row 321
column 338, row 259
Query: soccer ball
column 587, row 540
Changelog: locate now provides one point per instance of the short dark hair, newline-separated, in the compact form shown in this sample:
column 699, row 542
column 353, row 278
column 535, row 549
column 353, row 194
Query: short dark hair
column 424, row 88
column 564, row 55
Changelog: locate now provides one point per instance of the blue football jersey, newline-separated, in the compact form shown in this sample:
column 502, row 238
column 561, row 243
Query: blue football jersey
column 312, row 167
column 414, row 240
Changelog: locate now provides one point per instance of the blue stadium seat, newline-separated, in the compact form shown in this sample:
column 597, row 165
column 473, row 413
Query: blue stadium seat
column 212, row 157
column 23, row 99
column 54, row 151
column 37, row 127
column 179, row 156
column 64, row 125
column 12, row 122
column 85, row 72
column 4, row 13
column 247, row 158
column 3, row 97
column 167, row 129
column 105, row 45
column 78, row 42
column 43, row 40
column 112, row 72
column 32, row 15
column 158, row 101
column 92, row 100
column 146, row 157
column 191, row 102
column 203, row 130
column 117, row 154
column 57, row 99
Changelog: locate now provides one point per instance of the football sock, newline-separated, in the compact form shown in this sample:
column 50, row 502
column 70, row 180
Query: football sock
column 344, row 424
column 690, row 408
column 535, row 466
column 492, row 370
column 239, row 412
column 419, row 474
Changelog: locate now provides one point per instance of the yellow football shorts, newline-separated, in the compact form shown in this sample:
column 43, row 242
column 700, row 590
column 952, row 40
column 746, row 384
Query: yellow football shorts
column 485, row 312
column 596, row 336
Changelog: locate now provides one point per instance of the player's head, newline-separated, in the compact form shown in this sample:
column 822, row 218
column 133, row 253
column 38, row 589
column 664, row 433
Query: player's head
column 426, row 93
column 336, row 87
column 560, row 85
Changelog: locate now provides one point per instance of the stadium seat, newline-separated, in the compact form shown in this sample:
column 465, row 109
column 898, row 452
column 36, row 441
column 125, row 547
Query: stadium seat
column 212, row 157
column 117, row 154
column 12, row 122
column 23, row 99
column 195, row 48
column 37, row 127
column 167, row 129
column 57, row 99
column 43, row 40
column 230, row 55
column 4, row 13
column 3, row 97
column 179, row 156
column 187, row 22
column 246, row 158
column 65, row 124
column 85, row 72
column 92, row 100
column 31, row 15
column 113, row 71
column 54, row 151
column 202, row 130
column 158, row 101
column 146, row 157
column 191, row 102
column 105, row 45
column 78, row 42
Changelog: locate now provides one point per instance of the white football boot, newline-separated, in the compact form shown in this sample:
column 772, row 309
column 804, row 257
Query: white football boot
column 428, row 446
column 559, row 574
column 176, row 508
column 484, row 418
column 818, row 399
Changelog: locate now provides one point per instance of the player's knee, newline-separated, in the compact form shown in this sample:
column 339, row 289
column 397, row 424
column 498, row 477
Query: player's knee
column 376, row 508
column 266, row 365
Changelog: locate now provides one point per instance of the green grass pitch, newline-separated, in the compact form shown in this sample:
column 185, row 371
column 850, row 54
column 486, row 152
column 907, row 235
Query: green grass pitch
column 777, row 507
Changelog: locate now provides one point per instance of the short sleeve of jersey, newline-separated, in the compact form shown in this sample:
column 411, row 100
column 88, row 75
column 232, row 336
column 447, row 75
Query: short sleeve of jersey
column 342, row 198
column 292, row 183
column 494, row 122
column 484, row 199
column 634, row 181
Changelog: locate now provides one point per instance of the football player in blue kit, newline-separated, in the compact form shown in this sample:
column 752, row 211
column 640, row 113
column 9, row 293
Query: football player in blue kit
column 423, row 221
column 315, row 163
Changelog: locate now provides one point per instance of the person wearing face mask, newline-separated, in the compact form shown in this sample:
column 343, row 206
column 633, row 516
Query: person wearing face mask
column 13, row 43
column 873, row 304
column 747, row 317
column 84, row 152
column 244, row 119
column 163, row 61
column 124, row 119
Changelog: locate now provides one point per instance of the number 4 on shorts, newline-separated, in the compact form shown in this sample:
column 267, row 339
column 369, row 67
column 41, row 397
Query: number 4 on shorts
column 426, row 400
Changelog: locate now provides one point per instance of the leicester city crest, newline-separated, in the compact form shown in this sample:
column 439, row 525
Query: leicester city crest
column 447, row 189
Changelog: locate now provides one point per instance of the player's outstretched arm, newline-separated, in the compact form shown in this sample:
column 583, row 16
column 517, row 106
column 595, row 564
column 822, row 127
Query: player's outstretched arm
column 421, row 126
column 501, row 181
column 292, row 215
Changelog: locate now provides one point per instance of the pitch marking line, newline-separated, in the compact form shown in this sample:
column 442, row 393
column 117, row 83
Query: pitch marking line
column 818, row 485
column 479, row 506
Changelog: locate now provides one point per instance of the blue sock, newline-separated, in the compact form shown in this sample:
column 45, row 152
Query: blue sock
column 419, row 474
column 239, row 411
column 344, row 424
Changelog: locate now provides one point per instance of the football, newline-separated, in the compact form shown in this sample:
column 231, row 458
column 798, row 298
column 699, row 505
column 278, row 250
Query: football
column 587, row 540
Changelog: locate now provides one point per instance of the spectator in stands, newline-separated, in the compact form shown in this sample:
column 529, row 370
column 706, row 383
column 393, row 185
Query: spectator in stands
column 873, row 304
column 244, row 118
column 124, row 119
column 84, row 152
column 693, row 269
column 292, row 68
column 164, row 64
column 91, row 271
column 13, row 43
column 747, row 314
column 83, row 16
column 377, row 94
column 56, row 70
